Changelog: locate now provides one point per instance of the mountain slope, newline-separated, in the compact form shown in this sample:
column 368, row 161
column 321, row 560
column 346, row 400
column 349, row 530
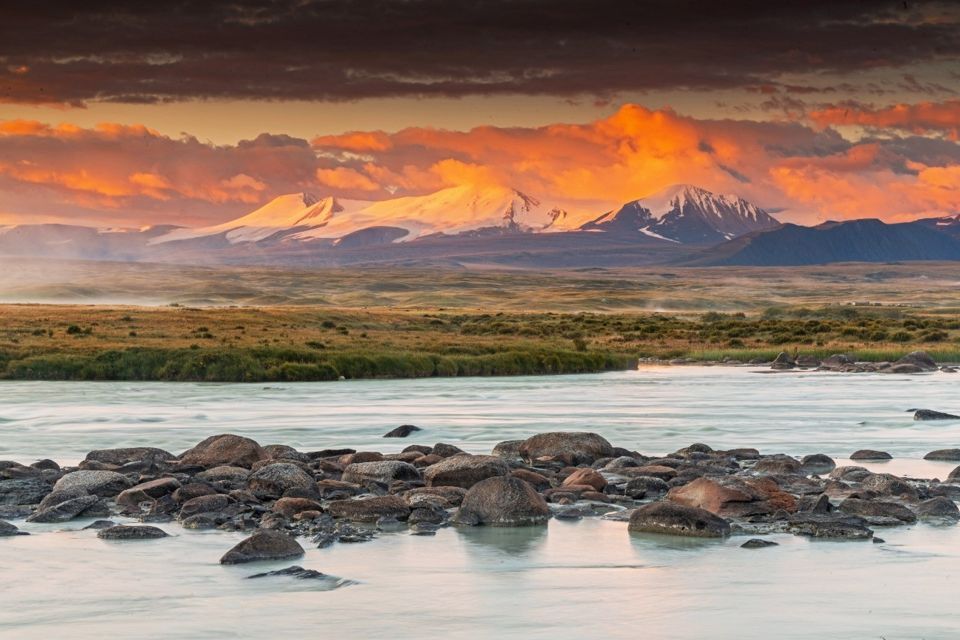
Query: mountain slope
column 686, row 214
column 853, row 241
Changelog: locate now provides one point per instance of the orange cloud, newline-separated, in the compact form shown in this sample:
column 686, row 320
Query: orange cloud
column 919, row 118
column 345, row 178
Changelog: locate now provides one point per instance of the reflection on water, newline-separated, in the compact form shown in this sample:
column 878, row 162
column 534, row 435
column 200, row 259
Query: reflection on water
column 582, row 579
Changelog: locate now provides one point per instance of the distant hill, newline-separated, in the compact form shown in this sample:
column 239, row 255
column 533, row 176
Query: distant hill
column 854, row 241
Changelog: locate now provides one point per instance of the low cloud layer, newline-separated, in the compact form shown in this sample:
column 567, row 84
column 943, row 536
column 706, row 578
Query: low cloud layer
column 133, row 176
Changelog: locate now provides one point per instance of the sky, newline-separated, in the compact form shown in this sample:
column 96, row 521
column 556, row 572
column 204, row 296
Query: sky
column 131, row 114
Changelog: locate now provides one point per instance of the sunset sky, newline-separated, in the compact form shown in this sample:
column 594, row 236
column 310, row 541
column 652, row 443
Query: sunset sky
column 197, row 112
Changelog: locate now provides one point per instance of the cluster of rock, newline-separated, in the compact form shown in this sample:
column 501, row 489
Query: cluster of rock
column 913, row 362
column 278, row 494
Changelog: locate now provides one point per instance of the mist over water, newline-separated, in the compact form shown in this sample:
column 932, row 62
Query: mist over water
column 567, row 580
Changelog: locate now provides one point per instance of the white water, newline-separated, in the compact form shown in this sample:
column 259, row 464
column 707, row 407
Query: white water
column 584, row 579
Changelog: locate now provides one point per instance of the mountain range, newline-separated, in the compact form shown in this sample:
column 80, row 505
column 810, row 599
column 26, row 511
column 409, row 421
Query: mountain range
column 470, row 225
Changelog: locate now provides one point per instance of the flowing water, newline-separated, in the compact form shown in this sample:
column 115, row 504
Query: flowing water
column 570, row 579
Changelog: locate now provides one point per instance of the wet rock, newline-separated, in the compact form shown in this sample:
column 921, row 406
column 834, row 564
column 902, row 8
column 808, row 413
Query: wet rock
column 385, row 472
column 851, row 473
column 100, row 524
column 446, row 496
column 299, row 573
column 132, row 532
column 66, row 510
column 887, row 484
column 807, row 362
column 285, row 452
column 829, row 525
column 928, row 414
column 621, row 462
column 132, row 498
column 289, row 507
column 46, row 465
column 402, row 431
column 225, row 450
column 578, row 447
column 502, row 501
column 204, row 504
column 919, row 359
column 757, row 543
column 23, row 491
column 660, row 471
column 870, row 454
column 778, row 464
column 428, row 513
column 878, row 512
column 645, row 487
column 783, row 361
column 105, row 484
column 539, row 481
column 734, row 497
column 508, row 449
column 939, row 508
column 272, row 480
column 464, row 470
column 7, row 529
column 263, row 545
column 445, row 450
column 838, row 362
column 946, row 455
column 676, row 519
column 192, row 490
column 369, row 509
column 127, row 455
column 817, row 464
column 585, row 476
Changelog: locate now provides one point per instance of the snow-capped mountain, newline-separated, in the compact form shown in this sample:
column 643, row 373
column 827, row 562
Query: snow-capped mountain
column 685, row 214
column 457, row 210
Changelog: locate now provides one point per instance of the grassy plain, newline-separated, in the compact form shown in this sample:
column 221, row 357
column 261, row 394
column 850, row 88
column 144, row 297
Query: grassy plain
column 164, row 322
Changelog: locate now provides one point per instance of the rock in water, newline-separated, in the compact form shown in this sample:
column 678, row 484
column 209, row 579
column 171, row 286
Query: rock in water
column 678, row 520
column 299, row 573
column 7, row 529
column 273, row 480
column 870, row 454
column 464, row 470
column 578, row 447
column 370, row 509
column 929, row 414
column 68, row 509
column 225, row 450
column 817, row 463
column 105, row 484
column 402, row 431
column 384, row 471
column 503, row 501
column 919, row 359
column 120, row 457
column 783, row 361
column 945, row 455
column 263, row 545
column 131, row 532
column 757, row 543
column 938, row 509
column 23, row 491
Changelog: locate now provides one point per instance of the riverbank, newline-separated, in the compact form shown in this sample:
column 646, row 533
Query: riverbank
column 263, row 344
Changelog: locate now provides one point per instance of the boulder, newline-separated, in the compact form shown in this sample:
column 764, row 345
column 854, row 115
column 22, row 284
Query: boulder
column 939, row 508
column 836, row 526
column 273, row 480
column 402, row 431
column 265, row 544
column 225, row 449
column 224, row 473
column 587, row 477
column 807, row 362
column 106, row 484
column 384, row 472
column 945, row 455
column 850, row 473
column 204, row 504
column 757, row 543
column 779, row 464
column 285, row 452
column 887, row 484
column 870, row 454
column 147, row 492
column 445, row 450
column 734, row 497
column 645, row 487
column 783, row 361
column 878, row 512
column 838, row 362
column 447, row 496
column 817, row 464
column 464, row 470
column 919, row 359
column 539, row 481
column 71, row 507
column 502, row 501
column 120, row 457
column 369, row 509
column 7, row 529
column 131, row 532
column 577, row 447
column 289, row 507
column 679, row 520
column 929, row 414
column 508, row 449
column 23, row 491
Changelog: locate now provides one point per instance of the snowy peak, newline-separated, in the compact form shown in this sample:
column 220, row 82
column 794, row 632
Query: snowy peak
column 687, row 214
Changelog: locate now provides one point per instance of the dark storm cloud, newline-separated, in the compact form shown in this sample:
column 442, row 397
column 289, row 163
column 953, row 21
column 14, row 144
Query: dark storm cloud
column 337, row 50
